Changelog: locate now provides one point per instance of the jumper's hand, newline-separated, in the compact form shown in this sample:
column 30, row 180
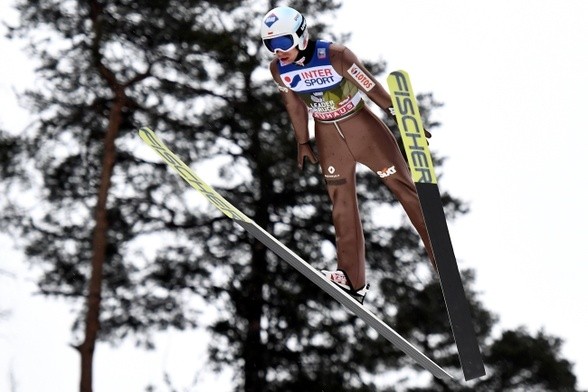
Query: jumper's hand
column 305, row 151
column 393, row 113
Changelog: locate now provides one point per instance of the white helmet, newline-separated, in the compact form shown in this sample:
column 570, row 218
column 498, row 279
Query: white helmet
column 284, row 28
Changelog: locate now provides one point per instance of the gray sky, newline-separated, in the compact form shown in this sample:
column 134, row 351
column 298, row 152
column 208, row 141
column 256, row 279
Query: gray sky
column 512, row 76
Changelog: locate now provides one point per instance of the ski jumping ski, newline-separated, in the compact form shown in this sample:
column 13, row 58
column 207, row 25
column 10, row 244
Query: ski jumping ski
column 423, row 174
column 173, row 161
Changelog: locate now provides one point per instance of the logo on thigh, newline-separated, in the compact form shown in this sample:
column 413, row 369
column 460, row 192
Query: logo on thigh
column 386, row 172
column 333, row 178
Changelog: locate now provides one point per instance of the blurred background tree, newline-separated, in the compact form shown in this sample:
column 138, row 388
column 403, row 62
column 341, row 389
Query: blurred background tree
column 136, row 251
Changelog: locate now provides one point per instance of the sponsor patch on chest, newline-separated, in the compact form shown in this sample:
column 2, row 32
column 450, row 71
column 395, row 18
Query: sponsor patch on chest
column 311, row 78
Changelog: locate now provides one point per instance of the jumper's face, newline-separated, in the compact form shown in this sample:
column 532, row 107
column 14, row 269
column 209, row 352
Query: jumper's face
column 287, row 57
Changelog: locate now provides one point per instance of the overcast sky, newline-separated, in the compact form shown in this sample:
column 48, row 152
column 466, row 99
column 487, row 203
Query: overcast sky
column 512, row 76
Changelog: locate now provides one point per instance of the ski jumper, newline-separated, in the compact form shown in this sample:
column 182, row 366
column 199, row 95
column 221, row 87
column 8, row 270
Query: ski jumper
column 329, row 85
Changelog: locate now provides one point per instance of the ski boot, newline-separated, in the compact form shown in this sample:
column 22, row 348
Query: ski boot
column 341, row 279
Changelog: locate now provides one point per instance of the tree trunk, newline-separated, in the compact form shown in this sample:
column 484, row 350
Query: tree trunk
column 100, row 235
column 99, row 247
column 253, row 350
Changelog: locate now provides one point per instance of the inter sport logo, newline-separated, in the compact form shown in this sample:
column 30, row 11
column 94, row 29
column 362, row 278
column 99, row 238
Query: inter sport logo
column 293, row 82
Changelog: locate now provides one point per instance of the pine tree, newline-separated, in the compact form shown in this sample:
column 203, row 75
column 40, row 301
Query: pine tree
column 132, row 247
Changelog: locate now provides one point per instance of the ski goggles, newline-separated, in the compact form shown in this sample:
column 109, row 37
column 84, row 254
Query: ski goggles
column 283, row 43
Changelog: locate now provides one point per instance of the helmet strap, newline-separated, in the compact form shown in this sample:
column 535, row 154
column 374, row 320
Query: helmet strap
column 306, row 54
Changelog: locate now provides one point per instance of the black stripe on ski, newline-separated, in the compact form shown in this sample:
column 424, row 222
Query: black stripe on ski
column 423, row 174
column 457, row 304
column 287, row 255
